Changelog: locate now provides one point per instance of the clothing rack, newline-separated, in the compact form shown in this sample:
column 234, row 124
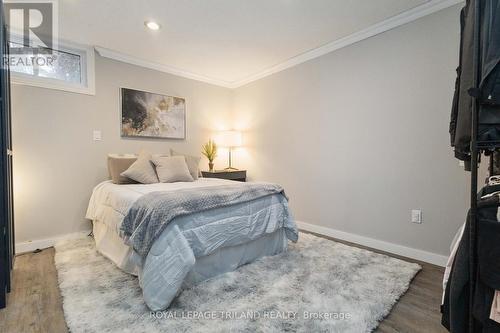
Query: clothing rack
column 473, row 278
column 475, row 148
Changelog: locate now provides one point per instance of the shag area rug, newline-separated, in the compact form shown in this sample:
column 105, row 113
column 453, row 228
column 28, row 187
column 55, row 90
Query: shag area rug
column 317, row 286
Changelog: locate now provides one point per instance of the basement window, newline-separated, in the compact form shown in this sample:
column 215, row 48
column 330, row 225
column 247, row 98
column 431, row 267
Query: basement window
column 69, row 68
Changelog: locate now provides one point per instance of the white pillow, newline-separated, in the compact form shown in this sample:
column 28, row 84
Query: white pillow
column 142, row 170
column 118, row 164
column 172, row 169
column 192, row 162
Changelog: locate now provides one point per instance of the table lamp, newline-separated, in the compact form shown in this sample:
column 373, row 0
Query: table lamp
column 230, row 140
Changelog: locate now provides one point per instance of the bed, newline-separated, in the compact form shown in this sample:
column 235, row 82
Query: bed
column 192, row 247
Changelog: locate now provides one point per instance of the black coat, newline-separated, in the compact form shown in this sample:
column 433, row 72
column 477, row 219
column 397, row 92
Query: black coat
column 488, row 92
column 455, row 308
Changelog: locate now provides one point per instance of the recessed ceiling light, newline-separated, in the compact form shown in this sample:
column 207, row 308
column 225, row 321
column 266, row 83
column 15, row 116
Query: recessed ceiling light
column 152, row 25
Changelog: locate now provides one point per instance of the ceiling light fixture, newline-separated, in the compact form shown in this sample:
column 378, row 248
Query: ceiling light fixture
column 152, row 25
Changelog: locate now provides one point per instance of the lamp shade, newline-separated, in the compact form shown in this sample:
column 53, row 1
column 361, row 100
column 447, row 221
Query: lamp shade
column 228, row 139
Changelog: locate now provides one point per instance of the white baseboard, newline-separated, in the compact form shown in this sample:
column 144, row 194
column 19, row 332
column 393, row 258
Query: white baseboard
column 404, row 251
column 41, row 244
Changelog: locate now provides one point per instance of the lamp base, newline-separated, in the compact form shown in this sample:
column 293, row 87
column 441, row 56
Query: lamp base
column 230, row 167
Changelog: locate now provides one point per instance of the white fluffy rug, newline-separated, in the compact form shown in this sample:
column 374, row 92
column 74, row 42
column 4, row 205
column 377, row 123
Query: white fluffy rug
column 318, row 285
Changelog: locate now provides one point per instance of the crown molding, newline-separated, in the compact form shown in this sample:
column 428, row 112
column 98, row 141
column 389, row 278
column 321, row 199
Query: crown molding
column 378, row 28
column 403, row 18
column 110, row 54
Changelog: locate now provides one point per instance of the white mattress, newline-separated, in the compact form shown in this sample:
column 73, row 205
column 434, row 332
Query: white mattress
column 109, row 205
column 121, row 197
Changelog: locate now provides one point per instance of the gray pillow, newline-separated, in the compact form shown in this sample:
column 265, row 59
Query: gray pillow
column 172, row 169
column 192, row 162
column 142, row 170
column 118, row 164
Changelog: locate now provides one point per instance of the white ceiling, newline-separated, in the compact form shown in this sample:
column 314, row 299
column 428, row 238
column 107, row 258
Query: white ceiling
column 227, row 41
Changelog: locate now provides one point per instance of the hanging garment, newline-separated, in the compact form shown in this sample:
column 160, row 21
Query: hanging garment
column 488, row 92
column 494, row 180
column 495, row 307
column 456, row 297
column 495, row 163
column 492, row 189
column 488, row 278
column 460, row 123
column 455, row 308
column 451, row 259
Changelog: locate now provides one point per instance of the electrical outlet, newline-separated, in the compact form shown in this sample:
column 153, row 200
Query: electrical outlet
column 416, row 216
column 97, row 135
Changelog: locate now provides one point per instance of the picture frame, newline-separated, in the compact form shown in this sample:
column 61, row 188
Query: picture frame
column 152, row 115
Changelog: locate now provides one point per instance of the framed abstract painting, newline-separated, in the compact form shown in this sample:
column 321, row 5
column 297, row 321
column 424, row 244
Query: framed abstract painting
column 150, row 115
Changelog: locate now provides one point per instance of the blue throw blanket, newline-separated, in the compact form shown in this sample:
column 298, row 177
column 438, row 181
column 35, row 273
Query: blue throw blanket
column 150, row 214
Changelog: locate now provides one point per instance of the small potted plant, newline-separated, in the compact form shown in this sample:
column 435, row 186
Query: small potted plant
column 209, row 150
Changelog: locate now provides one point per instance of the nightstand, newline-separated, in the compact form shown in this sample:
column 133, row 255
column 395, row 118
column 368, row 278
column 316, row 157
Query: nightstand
column 237, row 175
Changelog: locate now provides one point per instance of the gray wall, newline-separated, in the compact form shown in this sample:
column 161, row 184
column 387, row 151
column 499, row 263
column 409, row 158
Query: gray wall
column 56, row 161
column 359, row 136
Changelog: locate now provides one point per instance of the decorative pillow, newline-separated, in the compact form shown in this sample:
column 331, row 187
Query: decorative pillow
column 118, row 164
column 142, row 170
column 192, row 162
column 159, row 155
column 172, row 169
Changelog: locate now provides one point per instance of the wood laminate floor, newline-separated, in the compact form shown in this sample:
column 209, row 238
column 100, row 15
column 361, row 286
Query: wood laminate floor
column 35, row 304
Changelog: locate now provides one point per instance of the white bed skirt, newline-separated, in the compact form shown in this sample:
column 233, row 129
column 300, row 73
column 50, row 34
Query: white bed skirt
column 223, row 260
